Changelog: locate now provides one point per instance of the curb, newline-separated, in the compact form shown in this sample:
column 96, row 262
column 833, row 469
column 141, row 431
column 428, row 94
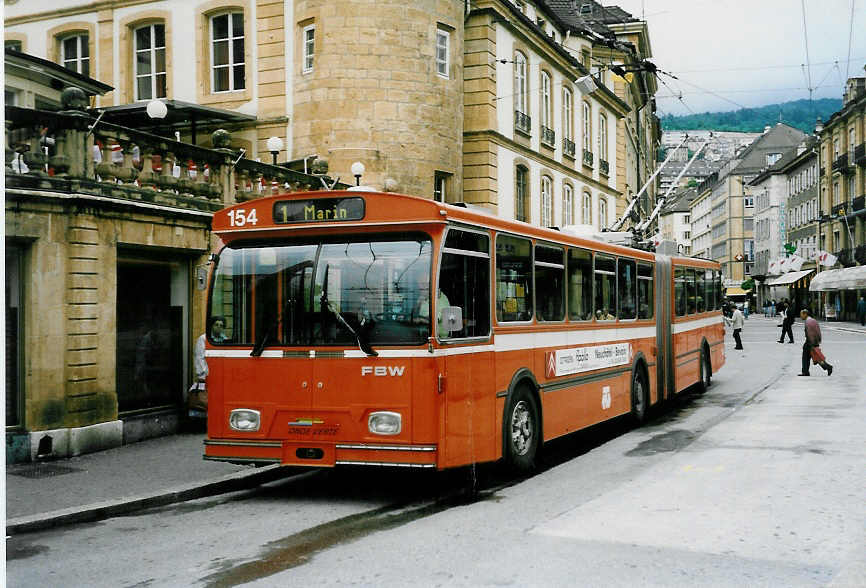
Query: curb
column 111, row 508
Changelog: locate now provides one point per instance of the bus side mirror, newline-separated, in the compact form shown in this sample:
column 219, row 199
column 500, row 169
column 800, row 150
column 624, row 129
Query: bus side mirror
column 452, row 318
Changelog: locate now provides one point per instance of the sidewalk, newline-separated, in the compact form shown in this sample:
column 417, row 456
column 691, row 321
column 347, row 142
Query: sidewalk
column 848, row 326
column 121, row 480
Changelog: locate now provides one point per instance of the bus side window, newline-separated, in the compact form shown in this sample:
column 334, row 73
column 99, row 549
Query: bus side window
column 702, row 288
column 464, row 277
column 550, row 283
column 579, row 285
column 605, row 288
column 680, row 291
column 645, row 290
column 718, row 289
column 625, row 283
column 690, row 288
column 513, row 279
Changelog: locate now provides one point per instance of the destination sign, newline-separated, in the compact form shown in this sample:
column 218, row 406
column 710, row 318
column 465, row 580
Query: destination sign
column 319, row 210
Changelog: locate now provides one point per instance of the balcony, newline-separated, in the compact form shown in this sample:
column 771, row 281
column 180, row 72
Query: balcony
column 568, row 147
column 839, row 209
column 107, row 161
column 548, row 137
column 860, row 254
column 522, row 122
column 604, row 167
column 587, row 158
column 858, row 203
column 860, row 154
column 842, row 165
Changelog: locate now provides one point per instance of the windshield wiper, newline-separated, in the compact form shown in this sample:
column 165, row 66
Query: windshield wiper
column 264, row 338
column 363, row 344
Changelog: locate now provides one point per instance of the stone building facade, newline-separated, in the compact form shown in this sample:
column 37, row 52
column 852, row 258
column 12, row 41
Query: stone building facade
column 842, row 212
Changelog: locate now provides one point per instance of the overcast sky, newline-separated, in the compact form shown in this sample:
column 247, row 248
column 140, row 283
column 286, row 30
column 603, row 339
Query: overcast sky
column 730, row 54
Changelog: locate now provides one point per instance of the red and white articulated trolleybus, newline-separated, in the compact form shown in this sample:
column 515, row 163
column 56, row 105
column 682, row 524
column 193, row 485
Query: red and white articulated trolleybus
column 384, row 329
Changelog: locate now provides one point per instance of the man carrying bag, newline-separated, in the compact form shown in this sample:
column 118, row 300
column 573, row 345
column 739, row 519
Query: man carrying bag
column 811, row 346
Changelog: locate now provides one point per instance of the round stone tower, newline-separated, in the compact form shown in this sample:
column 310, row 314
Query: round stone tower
column 384, row 87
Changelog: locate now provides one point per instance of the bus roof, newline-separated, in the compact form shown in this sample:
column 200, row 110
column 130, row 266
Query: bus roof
column 303, row 212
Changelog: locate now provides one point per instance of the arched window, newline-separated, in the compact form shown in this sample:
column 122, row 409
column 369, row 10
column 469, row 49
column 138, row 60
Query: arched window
column 602, row 135
column 520, row 97
column 521, row 193
column 567, row 205
column 602, row 212
column 586, row 212
column 587, row 127
column 546, row 202
column 546, row 117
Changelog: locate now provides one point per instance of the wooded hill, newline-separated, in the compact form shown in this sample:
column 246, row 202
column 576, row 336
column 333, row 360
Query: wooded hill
column 800, row 114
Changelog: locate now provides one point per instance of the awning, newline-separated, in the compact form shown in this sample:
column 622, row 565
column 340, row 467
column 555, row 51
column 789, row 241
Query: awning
column 846, row 278
column 736, row 291
column 788, row 278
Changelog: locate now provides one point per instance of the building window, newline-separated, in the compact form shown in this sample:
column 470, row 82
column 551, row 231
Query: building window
column 440, row 186
column 567, row 114
column 150, row 72
column 602, row 135
column 749, row 201
column 13, row 44
column 836, row 195
column 520, row 194
column 586, row 212
column 773, row 158
column 587, row 128
column 546, row 202
column 602, row 213
column 567, row 205
column 227, row 52
column 545, row 102
column 309, row 49
column 442, row 41
column 520, row 101
column 75, row 53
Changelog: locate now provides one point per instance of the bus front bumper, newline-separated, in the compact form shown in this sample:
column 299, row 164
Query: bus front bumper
column 328, row 454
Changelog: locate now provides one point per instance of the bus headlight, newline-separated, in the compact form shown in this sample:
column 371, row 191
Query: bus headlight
column 245, row 419
column 385, row 423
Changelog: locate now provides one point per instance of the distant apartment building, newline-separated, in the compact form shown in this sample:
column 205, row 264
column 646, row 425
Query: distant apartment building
column 694, row 175
column 732, row 202
column 675, row 220
column 700, row 218
column 723, row 145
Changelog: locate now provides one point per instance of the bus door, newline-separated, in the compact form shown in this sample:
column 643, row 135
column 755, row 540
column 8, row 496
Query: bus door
column 467, row 387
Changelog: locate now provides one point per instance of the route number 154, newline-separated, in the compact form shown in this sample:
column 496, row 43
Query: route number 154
column 241, row 217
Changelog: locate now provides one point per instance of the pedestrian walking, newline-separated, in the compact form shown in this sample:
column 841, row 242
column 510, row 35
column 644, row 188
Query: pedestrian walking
column 736, row 321
column 788, row 323
column 861, row 311
column 812, row 346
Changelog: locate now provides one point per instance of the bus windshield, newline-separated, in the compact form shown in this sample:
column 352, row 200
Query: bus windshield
column 324, row 292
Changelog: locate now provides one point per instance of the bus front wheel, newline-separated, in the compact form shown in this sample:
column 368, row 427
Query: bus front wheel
column 522, row 430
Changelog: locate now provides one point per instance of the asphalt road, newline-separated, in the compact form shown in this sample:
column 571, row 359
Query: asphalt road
column 759, row 482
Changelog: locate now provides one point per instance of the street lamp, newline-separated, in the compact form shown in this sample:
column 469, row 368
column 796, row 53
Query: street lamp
column 275, row 145
column 358, row 171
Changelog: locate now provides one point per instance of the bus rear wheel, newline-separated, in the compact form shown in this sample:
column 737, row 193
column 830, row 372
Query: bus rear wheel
column 522, row 430
column 706, row 370
column 639, row 397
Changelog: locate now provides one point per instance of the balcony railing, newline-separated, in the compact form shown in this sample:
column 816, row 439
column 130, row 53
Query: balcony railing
column 107, row 160
column 604, row 167
column 839, row 209
column 858, row 203
column 522, row 122
column 548, row 136
column 568, row 147
column 860, row 154
column 587, row 158
column 840, row 162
